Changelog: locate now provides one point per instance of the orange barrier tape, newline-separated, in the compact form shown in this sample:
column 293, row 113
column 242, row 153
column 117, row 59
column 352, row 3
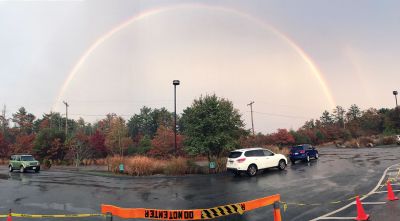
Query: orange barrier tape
column 195, row 214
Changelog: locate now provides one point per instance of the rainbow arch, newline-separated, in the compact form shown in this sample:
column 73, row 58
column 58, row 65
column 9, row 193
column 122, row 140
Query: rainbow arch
column 306, row 58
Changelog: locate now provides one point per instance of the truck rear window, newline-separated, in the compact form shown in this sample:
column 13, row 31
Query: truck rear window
column 235, row 154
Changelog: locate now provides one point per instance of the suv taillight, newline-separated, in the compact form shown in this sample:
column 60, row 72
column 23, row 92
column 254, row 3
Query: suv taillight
column 302, row 151
column 241, row 160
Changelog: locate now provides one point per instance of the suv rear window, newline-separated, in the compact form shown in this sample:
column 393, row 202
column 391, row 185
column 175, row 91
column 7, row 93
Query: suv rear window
column 27, row 158
column 297, row 148
column 254, row 153
column 235, row 154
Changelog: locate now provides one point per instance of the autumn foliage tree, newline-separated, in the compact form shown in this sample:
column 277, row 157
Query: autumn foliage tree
column 97, row 143
column 23, row 144
column 23, row 121
column 282, row 137
column 4, row 148
column 163, row 143
column 117, row 140
column 79, row 148
column 49, row 144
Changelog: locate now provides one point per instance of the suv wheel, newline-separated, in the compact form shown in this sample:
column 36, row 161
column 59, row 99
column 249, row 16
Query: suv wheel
column 21, row 169
column 308, row 159
column 293, row 161
column 10, row 168
column 282, row 165
column 316, row 156
column 252, row 170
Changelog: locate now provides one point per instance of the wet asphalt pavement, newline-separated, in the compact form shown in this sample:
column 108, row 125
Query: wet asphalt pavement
column 338, row 175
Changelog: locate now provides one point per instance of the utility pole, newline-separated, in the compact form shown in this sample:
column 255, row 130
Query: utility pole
column 251, row 110
column 66, row 118
column 395, row 97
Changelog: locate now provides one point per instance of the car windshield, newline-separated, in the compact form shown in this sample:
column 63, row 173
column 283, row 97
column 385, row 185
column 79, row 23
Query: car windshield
column 235, row 154
column 27, row 158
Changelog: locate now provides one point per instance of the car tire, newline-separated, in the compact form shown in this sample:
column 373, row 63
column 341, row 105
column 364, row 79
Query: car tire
column 282, row 165
column 10, row 168
column 37, row 170
column 293, row 161
column 252, row 170
column 308, row 158
column 316, row 156
column 21, row 169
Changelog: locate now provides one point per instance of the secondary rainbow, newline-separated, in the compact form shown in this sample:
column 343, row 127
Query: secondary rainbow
column 313, row 67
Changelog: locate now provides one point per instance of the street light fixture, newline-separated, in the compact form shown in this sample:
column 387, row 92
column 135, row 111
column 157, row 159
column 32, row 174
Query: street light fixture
column 395, row 96
column 175, row 83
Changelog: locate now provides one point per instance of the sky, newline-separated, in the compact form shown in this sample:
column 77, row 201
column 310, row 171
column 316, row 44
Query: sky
column 294, row 59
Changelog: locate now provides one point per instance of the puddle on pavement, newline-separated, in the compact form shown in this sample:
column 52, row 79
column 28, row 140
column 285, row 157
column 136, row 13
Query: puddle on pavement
column 58, row 206
column 4, row 176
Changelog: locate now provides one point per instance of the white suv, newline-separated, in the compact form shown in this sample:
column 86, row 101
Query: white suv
column 251, row 160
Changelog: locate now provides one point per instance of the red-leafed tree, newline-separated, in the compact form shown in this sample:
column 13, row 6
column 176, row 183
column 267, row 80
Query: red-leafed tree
column 57, row 149
column 163, row 143
column 23, row 121
column 282, row 137
column 23, row 144
column 79, row 148
column 4, row 147
column 97, row 143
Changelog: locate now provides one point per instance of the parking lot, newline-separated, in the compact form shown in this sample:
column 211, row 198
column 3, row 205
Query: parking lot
column 310, row 189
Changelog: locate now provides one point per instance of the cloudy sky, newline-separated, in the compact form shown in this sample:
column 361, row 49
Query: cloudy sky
column 294, row 59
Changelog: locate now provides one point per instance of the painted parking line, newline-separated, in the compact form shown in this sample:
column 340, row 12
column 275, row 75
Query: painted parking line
column 374, row 190
column 393, row 184
column 384, row 191
column 370, row 203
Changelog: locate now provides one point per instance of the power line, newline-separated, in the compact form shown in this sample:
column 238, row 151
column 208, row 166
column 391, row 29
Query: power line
column 100, row 115
column 283, row 115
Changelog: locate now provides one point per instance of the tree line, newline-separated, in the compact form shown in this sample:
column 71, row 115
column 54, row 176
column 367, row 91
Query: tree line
column 338, row 125
column 210, row 127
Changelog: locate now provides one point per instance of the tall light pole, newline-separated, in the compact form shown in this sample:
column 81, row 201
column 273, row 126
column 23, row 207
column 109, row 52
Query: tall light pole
column 252, row 122
column 175, row 83
column 66, row 118
column 395, row 97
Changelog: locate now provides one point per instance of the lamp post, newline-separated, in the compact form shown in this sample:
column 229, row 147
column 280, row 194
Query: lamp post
column 395, row 97
column 175, row 83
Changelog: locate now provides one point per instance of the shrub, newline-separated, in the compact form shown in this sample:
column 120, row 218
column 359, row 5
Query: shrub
column 366, row 141
column 139, row 166
column 353, row 143
column 386, row 140
column 3, row 161
column 194, row 168
column 176, row 166
column 47, row 163
column 280, row 150
column 221, row 165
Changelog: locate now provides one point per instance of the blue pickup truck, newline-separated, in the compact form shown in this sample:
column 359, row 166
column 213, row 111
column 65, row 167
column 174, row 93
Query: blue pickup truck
column 303, row 152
